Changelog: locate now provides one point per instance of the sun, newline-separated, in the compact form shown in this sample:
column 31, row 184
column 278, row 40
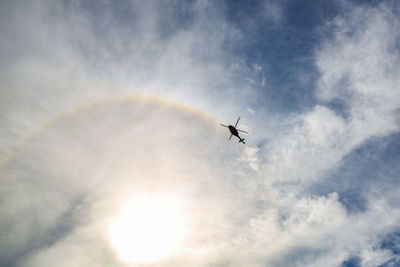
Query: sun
column 149, row 227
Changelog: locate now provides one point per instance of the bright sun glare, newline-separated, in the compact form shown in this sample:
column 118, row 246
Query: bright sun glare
column 149, row 227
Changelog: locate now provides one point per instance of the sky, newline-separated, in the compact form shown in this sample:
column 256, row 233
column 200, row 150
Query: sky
column 111, row 153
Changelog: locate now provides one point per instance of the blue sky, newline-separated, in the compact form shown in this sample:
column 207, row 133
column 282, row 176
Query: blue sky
column 109, row 112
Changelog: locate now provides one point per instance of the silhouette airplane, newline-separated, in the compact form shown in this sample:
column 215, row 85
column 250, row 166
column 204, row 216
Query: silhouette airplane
column 235, row 131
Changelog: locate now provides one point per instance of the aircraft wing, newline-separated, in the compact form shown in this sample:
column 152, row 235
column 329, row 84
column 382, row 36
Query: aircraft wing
column 241, row 131
column 224, row 125
column 230, row 137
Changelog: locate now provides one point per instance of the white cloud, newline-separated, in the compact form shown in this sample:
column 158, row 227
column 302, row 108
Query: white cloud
column 273, row 11
column 359, row 66
column 360, row 69
column 251, row 111
column 251, row 157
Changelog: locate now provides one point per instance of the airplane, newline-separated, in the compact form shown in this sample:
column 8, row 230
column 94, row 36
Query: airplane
column 235, row 131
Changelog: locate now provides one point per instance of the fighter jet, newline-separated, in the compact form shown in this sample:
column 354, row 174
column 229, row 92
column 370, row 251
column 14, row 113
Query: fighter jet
column 235, row 131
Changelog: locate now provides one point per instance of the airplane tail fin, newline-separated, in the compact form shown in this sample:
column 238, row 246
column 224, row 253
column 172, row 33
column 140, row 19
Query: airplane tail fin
column 242, row 141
